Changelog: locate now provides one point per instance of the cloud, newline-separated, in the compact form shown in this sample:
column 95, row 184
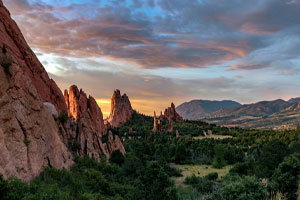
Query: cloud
column 289, row 72
column 235, row 48
column 120, row 33
column 155, row 34
column 243, row 66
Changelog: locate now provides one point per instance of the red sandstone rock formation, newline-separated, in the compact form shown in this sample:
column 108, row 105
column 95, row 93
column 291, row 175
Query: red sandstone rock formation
column 170, row 129
column 121, row 110
column 78, row 104
column 170, row 112
column 155, row 123
column 89, row 126
column 114, row 143
column 29, row 137
column 12, row 38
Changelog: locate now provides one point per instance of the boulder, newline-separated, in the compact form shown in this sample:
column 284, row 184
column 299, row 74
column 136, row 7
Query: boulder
column 51, row 108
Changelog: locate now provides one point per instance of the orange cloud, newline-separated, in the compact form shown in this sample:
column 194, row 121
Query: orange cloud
column 259, row 30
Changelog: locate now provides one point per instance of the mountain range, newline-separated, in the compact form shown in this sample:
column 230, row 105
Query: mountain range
column 263, row 114
column 200, row 108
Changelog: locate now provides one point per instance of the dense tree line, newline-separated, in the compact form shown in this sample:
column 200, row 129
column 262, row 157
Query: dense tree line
column 265, row 163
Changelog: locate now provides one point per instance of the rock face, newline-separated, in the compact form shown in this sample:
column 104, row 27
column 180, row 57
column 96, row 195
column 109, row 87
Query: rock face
column 170, row 112
column 121, row 110
column 29, row 138
column 114, row 143
column 87, row 127
column 170, row 129
column 12, row 38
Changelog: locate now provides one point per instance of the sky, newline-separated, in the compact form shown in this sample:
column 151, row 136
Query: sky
column 163, row 51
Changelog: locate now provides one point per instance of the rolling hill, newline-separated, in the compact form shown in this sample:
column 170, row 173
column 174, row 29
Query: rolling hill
column 200, row 108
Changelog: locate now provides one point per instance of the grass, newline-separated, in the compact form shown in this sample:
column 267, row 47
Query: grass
column 218, row 137
column 198, row 170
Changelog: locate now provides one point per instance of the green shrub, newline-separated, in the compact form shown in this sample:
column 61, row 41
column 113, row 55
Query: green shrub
column 27, row 141
column 63, row 117
column 6, row 61
column 247, row 187
column 73, row 146
column 212, row 176
column 117, row 157
column 286, row 177
column 219, row 160
column 192, row 180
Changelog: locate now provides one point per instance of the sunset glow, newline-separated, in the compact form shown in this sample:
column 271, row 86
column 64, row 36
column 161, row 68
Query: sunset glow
column 160, row 51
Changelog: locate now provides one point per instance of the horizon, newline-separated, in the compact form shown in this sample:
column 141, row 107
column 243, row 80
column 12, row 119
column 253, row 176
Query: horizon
column 159, row 52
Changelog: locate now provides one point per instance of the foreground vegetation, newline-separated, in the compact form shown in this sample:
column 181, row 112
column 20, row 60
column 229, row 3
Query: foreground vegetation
column 253, row 164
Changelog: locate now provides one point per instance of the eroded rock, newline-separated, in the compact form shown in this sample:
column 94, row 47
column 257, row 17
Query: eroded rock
column 121, row 110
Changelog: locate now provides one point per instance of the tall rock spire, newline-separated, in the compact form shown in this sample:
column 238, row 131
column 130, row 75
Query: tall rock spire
column 121, row 110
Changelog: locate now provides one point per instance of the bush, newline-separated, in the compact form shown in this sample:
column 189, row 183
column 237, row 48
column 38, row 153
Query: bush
column 286, row 177
column 219, row 160
column 117, row 157
column 27, row 141
column 247, row 187
column 203, row 185
column 73, row 146
column 192, row 180
column 6, row 61
column 212, row 176
column 245, row 168
column 63, row 117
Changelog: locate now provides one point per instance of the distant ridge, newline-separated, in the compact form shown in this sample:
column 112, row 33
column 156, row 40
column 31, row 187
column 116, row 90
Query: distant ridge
column 200, row 108
column 261, row 108
column 294, row 100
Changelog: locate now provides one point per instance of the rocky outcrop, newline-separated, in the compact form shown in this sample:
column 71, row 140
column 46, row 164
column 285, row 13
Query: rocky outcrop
column 170, row 129
column 157, row 126
column 86, row 128
column 170, row 112
column 81, row 106
column 29, row 138
column 34, row 132
column 121, row 110
column 114, row 143
column 12, row 38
